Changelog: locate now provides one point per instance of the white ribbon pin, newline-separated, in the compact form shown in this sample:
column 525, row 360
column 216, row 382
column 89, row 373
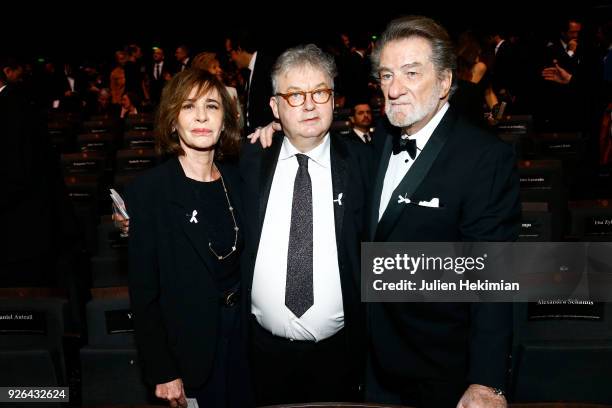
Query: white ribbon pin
column 339, row 199
column 403, row 199
column 193, row 218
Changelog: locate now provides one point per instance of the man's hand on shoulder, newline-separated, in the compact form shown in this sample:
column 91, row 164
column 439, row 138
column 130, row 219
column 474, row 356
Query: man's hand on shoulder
column 265, row 134
column 480, row 396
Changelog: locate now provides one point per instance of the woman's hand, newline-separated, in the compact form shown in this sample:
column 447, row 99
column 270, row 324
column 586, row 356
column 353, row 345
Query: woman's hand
column 121, row 223
column 173, row 392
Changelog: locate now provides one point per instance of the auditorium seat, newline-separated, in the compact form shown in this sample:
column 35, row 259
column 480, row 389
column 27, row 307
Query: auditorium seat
column 109, row 264
column 591, row 220
column 138, row 139
column 561, row 146
column 135, row 160
column 517, row 131
column 541, row 181
column 562, row 352
column 95, row 142
column 111, row 371
column 535, row 223
column 98, row 126
column 141, row 121
column 92, row 163
column 32, row 325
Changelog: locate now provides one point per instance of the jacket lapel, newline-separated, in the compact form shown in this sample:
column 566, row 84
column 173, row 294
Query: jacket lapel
column 413, row 178
column 383, row 152
column 338, row 160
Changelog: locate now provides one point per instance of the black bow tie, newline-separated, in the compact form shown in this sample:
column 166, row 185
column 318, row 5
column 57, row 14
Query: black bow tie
column 408, row 145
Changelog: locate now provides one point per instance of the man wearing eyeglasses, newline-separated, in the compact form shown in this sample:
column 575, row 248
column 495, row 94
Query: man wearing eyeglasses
column 301, row 264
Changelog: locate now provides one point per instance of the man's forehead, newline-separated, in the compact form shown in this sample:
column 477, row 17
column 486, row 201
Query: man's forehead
column 304, row 75
column 412, row 51
column 362, row 107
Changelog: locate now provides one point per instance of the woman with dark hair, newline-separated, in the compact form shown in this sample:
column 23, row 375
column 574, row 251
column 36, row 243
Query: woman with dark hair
column 130, row 103
column 475, row 97
column 185, row 242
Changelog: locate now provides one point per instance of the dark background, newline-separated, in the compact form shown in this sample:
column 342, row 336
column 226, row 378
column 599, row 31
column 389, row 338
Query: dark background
column 94, row 30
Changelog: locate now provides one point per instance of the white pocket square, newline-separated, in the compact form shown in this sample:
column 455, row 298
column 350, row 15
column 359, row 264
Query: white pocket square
column 433, row 203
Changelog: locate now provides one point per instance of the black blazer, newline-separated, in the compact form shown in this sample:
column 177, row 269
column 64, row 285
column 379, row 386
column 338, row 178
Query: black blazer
column 473, row 174
column 354, row 80
column 157, row 85
column 173, row 294
column 350, row 163
column 260, row 90
column 352, row 135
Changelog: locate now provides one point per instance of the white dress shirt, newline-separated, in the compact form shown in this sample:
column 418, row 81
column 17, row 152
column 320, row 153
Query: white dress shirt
column 326, row 316
column 399, row 164
column 251, row 69
column 565, row 46
column 157, row 69
column 499, row 44
column 70, row 82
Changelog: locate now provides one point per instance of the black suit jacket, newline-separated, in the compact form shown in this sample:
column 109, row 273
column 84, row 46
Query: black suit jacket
column 177, row 66
column 507, row 71
column 350, row 163
column 258, row 96
column 473, row 174
column 157, row 85
column 172, row 291
column 556, row 51
column 354, row 80
column 352, row 135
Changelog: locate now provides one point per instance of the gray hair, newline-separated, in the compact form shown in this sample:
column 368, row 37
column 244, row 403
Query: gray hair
column 443, row 54
column 300, row 56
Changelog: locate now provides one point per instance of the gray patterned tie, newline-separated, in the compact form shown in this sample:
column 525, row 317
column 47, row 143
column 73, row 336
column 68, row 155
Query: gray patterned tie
column 299, row 295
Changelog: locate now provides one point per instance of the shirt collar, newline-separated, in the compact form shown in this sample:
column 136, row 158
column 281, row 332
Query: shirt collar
column 498, row 45
column 252, row 61
column 359, row 132
column 319, row 154
column 423, row 135
column 2, row 88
